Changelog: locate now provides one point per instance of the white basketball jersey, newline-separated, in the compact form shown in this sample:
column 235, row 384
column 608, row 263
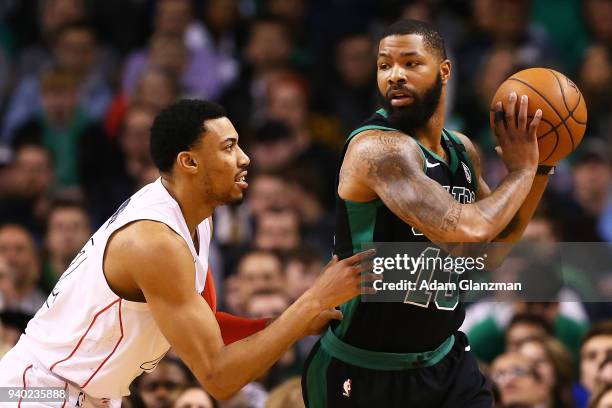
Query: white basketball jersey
column 88, row 335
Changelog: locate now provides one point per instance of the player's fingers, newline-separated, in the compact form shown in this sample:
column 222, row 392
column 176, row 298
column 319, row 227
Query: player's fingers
column 332, row 261
column 522, row 115
column 331, row 313
column 511, row 112
column 533, row 126
column 360, row 256
column 499, row 120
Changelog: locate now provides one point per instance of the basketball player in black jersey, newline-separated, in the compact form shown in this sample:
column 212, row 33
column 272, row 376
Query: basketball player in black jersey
column 406, row 178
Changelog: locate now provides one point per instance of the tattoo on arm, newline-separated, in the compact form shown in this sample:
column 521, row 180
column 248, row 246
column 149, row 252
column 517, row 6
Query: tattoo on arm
column 451, row 219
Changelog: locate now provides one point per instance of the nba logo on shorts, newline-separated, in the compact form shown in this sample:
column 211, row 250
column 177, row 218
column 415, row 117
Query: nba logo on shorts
column 468, row 173
column 346, row 388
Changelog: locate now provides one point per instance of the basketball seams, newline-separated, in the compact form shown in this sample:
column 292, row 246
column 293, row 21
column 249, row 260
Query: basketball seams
column 549, row 104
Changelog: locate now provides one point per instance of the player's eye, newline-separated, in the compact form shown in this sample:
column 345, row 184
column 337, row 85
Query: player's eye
column 383, row 67
column 412, row 64
column 229, row 147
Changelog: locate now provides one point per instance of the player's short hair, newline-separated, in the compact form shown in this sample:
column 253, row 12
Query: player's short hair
column 178, row 127
column 431, row 37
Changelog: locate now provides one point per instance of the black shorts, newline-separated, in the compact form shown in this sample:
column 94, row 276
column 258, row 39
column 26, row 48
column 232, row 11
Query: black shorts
column 452, row 382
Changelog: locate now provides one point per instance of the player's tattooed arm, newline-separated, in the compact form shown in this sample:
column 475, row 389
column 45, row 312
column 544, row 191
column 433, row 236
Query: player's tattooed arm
column 391, row 165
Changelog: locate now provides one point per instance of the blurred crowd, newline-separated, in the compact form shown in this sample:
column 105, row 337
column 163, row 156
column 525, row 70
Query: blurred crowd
column 82, row 80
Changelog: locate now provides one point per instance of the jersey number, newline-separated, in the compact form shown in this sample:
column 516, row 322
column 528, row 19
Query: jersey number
column 444, row 299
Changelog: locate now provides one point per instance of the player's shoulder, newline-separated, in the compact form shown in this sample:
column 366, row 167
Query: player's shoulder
column 470, row 148
column 376, row 141
column 147, row 239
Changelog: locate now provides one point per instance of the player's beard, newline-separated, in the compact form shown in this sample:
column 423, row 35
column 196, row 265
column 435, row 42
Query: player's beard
column 416, row 115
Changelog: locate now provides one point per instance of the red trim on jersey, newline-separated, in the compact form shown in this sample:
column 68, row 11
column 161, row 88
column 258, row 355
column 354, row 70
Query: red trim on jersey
column 84, row 334
column 111, row 353
column 24, row 383
column 210, row 293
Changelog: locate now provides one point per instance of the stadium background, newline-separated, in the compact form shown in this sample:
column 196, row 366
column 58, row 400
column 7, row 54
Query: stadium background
column 81, row 81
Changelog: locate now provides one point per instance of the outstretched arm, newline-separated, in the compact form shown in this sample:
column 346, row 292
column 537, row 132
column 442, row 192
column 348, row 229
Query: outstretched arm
column 162, row 266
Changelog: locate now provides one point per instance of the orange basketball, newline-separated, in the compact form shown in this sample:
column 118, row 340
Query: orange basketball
column 564, row 112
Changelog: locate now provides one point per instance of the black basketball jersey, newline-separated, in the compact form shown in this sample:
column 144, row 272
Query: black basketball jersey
column 399, row 327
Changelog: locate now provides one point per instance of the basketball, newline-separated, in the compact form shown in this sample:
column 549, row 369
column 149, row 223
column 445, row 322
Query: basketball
column 564, row 112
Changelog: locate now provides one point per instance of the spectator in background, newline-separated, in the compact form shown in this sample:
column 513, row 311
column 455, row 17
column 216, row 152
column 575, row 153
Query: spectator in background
column 592, row 177
column 76, row 51
column 287, row 101
column 302, row 266
column 137, row 167
column 598, row 15
column 30, row 180
column 81, row 152
column 266, row 303
column 277, row 230
column 165, row 51
column 518, row 382
column 53, row 15
column 265, row 55
column 171, row 48
column 17, row 247
column 217, row 36
column 257, row 270
column 350, row 95
column 554, row 365
column 162, row 383
column 68, row 229
column 596, row 345
column 524, row 327
column 194, row 397
column 156, row 88
column 286, row 395
column 595, row 82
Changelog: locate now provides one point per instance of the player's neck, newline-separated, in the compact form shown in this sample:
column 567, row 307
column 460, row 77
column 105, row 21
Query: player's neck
column 430, row 135
column 192, row 207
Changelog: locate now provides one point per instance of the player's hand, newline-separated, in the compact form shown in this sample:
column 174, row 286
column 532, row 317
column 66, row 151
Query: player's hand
column 320, row 323
column 341, row 280
column 517, row 136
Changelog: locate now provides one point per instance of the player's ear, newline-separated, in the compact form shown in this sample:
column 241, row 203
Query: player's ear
column 187, row 161
column 445, row 70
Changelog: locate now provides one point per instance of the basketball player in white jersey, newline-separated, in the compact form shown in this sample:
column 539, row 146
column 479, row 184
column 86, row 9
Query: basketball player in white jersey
column 142, row 284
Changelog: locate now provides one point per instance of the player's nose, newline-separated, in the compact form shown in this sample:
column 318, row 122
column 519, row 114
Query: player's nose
column 243, row 159
column 397, row 76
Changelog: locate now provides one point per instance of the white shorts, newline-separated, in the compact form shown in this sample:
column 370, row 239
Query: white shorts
column 20, row 370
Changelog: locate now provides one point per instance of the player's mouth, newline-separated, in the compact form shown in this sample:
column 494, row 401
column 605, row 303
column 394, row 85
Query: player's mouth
column 240, row 180
column 399, row 98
